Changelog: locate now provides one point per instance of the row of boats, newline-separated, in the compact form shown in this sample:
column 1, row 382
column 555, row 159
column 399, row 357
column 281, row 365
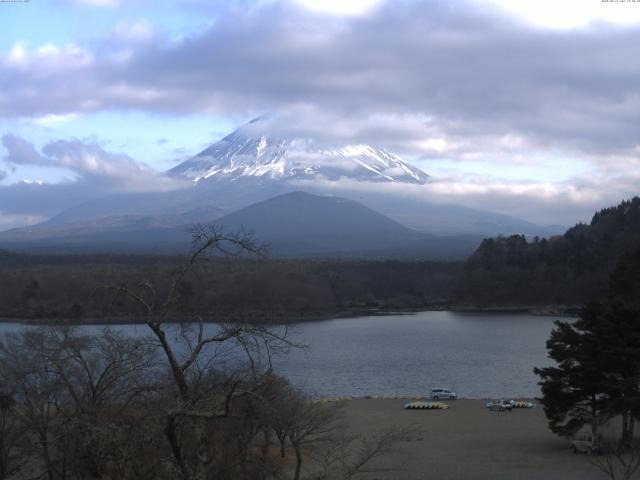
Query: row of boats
column 494, row 405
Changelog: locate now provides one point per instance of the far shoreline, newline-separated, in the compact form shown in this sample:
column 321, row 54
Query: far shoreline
column 542, row 311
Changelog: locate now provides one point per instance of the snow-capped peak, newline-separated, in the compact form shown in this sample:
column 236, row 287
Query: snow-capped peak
column 240, row 155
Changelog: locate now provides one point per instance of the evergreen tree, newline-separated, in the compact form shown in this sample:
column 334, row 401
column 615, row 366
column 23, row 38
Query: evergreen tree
column 618, row 331
column 597, row 376
column 573, row 391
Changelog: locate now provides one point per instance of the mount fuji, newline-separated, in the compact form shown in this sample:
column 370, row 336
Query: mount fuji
column 252, row 165
column 239, row 156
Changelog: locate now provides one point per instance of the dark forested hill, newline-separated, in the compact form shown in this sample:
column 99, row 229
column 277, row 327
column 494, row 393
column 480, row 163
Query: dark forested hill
column 563, row 270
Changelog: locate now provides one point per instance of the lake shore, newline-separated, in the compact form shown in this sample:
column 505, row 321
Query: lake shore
column 467, row 441
column 282, row 319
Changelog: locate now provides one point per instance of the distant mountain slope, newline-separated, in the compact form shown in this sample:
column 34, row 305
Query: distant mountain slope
column 299, row 223
column 59, row 230
column 438, row 219
column 566, row 269
column 448, row 219
column 293, row 225
column 299, row 213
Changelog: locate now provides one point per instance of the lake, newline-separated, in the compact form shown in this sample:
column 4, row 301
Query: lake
column 478, row 355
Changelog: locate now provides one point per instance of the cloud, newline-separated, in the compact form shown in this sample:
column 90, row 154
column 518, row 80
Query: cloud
column 21, row 152
column 52, row 120
column 99, row 3
column 427, row 80
column 456, row 77
column 544, row 203
column 8, row 221
column 48, row 59
column 567, row 14
column 340, row 7
column 411, row 133
column 98, row 173
column 133, row 32
column 93, row 164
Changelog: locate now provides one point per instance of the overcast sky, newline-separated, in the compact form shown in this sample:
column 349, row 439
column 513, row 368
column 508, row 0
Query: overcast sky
column 530, row 108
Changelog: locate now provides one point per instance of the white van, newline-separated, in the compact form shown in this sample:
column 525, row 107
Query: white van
column 442, row 394
column 584, row 442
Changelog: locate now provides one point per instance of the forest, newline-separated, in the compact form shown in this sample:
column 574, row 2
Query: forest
column 256, row 289
column 563, row 270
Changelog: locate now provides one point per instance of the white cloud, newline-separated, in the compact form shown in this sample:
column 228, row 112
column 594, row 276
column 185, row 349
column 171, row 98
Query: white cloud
column 52, row 119
column 340, row 7
column 133, row 32
column 99, row 3
column 48, row 58
column 17, row 54
column 569, row 14
column 105, row 171
column 545, row 203
column 8, row 220
column 98, row 173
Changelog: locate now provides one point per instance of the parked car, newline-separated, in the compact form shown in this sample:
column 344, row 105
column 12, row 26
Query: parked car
column 500, row 406
column 584, row 442
column 442, row 394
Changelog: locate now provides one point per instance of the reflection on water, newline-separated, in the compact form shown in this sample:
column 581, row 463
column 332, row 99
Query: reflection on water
column 478, row 355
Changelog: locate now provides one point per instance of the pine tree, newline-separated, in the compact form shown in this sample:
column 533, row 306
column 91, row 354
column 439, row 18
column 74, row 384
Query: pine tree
column 618, row 331
column 573, row 391
column 597, row 376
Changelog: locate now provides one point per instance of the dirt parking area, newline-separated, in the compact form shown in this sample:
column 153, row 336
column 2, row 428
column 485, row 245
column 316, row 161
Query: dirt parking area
column 469, row 442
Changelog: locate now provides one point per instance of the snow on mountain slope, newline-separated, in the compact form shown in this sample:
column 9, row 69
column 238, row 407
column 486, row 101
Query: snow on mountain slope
column 241, row 154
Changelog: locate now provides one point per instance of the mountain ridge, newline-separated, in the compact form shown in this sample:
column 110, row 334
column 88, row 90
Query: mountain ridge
column 294, row 225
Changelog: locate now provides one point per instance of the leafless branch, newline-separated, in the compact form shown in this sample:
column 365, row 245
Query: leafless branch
column 618, row 461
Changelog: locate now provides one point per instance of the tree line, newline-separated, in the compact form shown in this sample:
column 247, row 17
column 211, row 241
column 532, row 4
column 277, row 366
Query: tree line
column 71, row 288
column 565, row 270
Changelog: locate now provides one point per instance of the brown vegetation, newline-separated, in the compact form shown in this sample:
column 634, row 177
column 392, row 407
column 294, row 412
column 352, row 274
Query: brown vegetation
column 54, row 288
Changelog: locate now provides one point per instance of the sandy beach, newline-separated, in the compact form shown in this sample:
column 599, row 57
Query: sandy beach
column 469, row 442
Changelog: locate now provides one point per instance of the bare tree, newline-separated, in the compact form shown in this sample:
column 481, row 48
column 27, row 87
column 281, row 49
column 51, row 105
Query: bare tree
column 102, row 376
column 315, row 432
column 280, row 407
column 193, row 353
column 10, row 434
column 312, row 423
column 618, row 460
column 70, row 393
column 37, row 391
column 349, row 456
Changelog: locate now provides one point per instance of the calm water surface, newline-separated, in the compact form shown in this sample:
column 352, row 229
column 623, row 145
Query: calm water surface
column 478, row 355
